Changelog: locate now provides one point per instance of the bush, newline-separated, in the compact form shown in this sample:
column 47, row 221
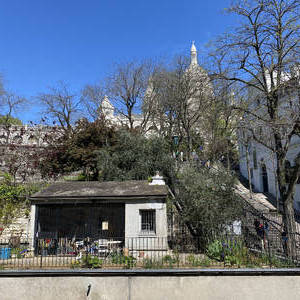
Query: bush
column 215, row 250
column 19, row 251
column 88, row 261
column 232, row 252
column 149, row 263
column 198, row 261
column 170, row 261
column 127, row 261
column 208, row 201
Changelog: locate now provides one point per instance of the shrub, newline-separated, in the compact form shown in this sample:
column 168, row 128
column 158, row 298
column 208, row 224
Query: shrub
column 199, row 261
column 232, row 252
column 215, row 250
column 170, row 261
column 88, row 261
column 126, row 261
column 149, row 263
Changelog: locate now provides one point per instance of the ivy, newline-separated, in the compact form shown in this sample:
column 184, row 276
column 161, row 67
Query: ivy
column 13, row 199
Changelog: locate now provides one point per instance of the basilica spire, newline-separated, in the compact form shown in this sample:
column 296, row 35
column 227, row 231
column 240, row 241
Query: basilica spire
column 194, row 54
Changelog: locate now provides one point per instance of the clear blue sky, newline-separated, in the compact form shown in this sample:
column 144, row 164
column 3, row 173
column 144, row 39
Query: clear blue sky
column 44, row 41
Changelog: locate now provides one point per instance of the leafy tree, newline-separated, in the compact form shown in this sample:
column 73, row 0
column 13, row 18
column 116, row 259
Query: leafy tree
column 4, row 120
column 76, row 151
column 207, row 201
column 135, row 157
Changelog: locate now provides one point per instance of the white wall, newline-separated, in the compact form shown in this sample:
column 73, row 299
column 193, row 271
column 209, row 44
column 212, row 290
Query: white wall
column 133, row 223
column 263, row 156
column 151, row 287
column 266, row 156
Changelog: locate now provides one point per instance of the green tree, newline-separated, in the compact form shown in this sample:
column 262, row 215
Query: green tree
column 5, row 120
column 76, row 151
column 207, row 201
column 135, row 157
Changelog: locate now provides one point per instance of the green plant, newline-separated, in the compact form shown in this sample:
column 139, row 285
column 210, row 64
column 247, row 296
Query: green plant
column 199, row 261
column 231, row 251
column 13, row 199
column 232, row 260
column 89, row 261
column 274, row 261
column 18, row 251
column 170, row 261
column 215, row 250
column 205, row 262
column 149, row 263
column 127, row 261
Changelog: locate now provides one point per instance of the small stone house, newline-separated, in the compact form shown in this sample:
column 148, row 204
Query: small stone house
column 133, row 212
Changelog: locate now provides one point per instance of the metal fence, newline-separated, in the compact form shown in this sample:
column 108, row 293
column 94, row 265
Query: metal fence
column 88, row 252
column 243, row 245
column 256, row 239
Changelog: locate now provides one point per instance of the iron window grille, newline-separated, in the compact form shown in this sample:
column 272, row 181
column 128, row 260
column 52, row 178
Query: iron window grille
column 148, row 223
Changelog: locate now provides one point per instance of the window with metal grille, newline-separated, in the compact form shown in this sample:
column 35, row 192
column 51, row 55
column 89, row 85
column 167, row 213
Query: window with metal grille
column 148, row 220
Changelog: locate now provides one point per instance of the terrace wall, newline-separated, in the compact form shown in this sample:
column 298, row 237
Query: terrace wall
column 167, row 284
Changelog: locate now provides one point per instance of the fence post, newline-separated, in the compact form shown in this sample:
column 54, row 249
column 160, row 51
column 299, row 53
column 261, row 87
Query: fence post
column 41, row 259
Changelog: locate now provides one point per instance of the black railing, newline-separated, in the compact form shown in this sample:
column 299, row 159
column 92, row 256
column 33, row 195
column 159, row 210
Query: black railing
column 242, row 247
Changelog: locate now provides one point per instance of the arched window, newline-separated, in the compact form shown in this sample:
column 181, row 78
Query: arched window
column 254, row 159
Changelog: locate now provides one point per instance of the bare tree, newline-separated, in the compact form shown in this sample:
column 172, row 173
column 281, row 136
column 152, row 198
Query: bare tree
column 92, row 97
column 61, row 105
column 127, row 88
column 11, row 103
column 262, row 55
column 184, row 93
column 2, row 92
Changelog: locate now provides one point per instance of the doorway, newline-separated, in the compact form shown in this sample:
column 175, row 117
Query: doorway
column 264, row 176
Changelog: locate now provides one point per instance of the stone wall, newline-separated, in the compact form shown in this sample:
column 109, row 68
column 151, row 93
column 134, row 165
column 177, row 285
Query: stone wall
column 19, row 228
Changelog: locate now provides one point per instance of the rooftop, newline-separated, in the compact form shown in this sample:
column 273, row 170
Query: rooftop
column 94, row 190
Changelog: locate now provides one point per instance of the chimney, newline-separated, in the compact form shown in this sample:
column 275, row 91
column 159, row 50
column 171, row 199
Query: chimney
column 157, row 180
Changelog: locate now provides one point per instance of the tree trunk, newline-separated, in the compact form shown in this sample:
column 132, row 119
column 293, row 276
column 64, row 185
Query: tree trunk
column 248, row 169
column 288, row 216
column 228, row 156
column 288, row 219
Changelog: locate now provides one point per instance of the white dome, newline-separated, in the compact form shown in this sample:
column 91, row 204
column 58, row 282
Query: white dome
column 107, row 107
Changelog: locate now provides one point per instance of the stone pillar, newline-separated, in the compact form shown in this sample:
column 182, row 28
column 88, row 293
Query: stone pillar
column 32, row 225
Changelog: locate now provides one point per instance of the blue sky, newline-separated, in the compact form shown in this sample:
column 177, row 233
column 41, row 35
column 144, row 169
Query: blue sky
column 44, row 41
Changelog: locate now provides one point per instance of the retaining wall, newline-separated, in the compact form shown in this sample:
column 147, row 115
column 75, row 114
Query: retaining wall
column 151, row 285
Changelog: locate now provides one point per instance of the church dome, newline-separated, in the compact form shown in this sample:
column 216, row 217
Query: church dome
column 198, row 78
column 194, row 70
column 107, row 107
